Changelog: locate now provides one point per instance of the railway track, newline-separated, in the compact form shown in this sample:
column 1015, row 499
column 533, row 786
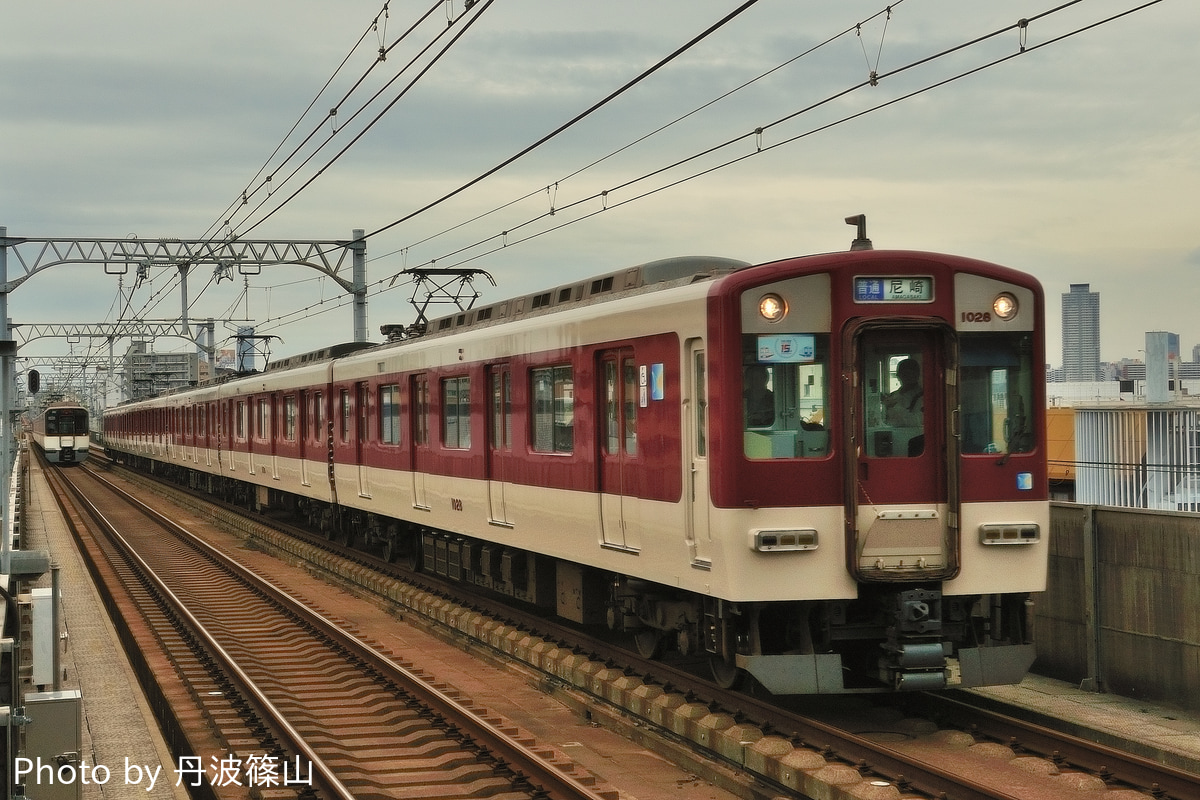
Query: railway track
column 883, row 752
column 263, row 688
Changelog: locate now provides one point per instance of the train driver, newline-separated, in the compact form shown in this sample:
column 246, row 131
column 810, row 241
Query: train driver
column 760, row 400
column 905, row 407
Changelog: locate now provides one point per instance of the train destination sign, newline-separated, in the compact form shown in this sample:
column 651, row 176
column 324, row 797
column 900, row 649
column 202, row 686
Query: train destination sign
column 884, row 289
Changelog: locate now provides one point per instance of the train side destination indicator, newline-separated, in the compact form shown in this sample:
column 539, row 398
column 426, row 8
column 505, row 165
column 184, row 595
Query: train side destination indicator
column 884, row 289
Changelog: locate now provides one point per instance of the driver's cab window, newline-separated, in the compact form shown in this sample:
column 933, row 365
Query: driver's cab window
column 894, row 400
column 997, row 375
column 785, row 394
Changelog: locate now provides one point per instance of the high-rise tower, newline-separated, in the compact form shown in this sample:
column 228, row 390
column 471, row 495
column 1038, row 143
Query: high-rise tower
column 1081, row 334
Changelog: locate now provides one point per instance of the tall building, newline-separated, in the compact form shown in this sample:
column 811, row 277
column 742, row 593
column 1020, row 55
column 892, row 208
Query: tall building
column 148, row 373
column 1081, row 334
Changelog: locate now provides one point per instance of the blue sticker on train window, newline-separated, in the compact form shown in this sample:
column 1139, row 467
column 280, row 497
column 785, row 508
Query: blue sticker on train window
column 656, row 382
column 1024, row 481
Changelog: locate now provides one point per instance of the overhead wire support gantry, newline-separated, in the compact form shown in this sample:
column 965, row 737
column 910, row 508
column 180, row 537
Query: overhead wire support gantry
column 332, row 257
column 35, row 254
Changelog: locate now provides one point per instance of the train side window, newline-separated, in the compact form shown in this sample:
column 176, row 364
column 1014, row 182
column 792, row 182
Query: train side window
column 456, row 413
column 612, row 427
column 344, row 398
column 996, row 381
column 289, row 418
column 785, row 391
column 553, row 409
column 318, row 415
column 501, row 409
column 362, row 406
column 389, row 414
column 630, row 402
column 264, row 419
column 420, row 402
column 699, row 371
column 240, row 428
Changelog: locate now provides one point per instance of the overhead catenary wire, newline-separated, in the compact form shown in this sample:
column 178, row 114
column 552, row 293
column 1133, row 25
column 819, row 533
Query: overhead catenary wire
column 505, row 237
column 549, row 136
column 251, row 190
column 596, row 106
column 792, row 139
column 253, row 187
column 459, row 33
column 660, row 129
column 606, row 195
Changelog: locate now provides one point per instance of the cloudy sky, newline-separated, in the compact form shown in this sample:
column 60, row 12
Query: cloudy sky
column 1077, row 160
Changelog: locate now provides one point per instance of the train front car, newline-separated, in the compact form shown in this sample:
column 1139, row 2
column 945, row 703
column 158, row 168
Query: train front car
column 62, row 433
column 879, row 507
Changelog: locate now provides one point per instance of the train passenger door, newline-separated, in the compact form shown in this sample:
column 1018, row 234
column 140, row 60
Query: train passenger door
column 301, row 429
column 419, row 402
column 274, row 431
column 902, row 497
column 619, row 388
column 695, row 483
column 362, row 429
column 499, row 442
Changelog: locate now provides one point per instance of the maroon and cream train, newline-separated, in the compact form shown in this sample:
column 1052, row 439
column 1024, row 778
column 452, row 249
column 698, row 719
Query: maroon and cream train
column 711, row 456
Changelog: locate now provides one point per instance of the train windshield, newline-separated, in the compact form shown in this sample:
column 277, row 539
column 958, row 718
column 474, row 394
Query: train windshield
column 893, row 387
column 996, row 378
column 785, row 393
column 66, row 423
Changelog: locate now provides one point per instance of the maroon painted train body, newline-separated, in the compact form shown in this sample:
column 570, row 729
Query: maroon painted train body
column 827, row 472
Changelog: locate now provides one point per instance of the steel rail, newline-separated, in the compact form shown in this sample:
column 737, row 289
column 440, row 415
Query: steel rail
column 329, row 780
column 555, row 782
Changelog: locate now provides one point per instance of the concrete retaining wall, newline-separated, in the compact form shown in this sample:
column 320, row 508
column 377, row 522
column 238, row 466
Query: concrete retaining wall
column 1122, row 611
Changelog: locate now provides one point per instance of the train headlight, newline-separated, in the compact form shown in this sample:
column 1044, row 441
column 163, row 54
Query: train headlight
column 772, row 307
column 1005, row 306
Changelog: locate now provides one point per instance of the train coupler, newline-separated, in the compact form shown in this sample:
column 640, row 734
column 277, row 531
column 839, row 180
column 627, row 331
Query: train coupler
column 915, row 666
column 914, row 656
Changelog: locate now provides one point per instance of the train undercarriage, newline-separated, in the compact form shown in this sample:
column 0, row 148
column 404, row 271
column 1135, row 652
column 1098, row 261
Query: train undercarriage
column 892, row 637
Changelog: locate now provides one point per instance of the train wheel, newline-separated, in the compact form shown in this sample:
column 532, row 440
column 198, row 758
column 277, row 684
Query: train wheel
column 725, row 675
column 648, row 642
